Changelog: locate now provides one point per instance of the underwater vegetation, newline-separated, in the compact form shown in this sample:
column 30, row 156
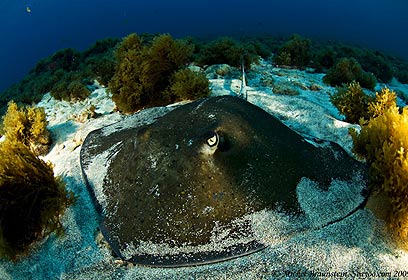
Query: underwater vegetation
column 69, row 87
column 285, row 88
column 124, row 85
column 73, row 71
column 28, row 126
column 347, row 70
column 384, row 100
column 295, row 52
column 186, row 84
column 144, row 73
column 352, row 102
column 55, row 73
column 99, row 60
column 355, row 105
column 376, row 63
column 67, row 73
column 31, row 200
column 226, row 50
column 383, row 142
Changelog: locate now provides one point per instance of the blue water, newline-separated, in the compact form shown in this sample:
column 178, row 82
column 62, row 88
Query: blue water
column 33, row 29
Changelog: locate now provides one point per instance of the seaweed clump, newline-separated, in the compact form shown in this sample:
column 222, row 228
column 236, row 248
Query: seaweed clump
column 187, row 84
column 347, row 70
column 377, row 63
column 31, row 200
column 355, row 105
column 125, row 85
column 228, row 51
column 384, row 100
column 70, row 88
column 294, row 53
column 65, row 74
column 352, row 102
column 383, row 142
column 145, row 72
column 99, row 60
column 27, row 125
column 60, row 70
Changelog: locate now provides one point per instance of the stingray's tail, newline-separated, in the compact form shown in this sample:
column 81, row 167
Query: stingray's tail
column 243, row 91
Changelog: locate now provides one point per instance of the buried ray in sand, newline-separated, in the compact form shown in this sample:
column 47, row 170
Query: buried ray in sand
column 188, row 188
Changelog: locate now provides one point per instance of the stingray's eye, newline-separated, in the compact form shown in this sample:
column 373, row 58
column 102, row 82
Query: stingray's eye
column 211, row 144
column 213, row 140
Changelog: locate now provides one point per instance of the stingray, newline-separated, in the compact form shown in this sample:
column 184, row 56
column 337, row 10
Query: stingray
column 179, row 188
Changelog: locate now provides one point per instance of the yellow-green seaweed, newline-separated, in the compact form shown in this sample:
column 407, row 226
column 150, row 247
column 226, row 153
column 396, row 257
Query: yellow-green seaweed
column 31, row 200
column 27, row 125
column 143, row 72
column 383, row 142
column 352, row 102
column 187, row 84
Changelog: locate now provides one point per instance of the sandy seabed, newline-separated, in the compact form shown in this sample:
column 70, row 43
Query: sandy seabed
column 355, row 247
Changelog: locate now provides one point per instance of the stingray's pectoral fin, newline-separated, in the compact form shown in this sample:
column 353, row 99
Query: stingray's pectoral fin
column 112, row 243
column 182, row 259
column 198, row 258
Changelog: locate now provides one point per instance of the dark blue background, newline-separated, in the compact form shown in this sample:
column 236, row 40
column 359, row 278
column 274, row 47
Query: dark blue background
column 51, row 25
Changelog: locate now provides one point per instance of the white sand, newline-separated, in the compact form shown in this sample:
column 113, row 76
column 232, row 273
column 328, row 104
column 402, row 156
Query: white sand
column 354, row 247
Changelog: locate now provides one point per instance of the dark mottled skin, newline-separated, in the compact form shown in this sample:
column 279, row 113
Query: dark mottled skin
column 161, row 188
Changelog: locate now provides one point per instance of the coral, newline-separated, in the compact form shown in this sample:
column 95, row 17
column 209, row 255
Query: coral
column 27, row 125
column 143, row 72
column 295, row 52
column 351, row 102
column 187, row 84
column 383, row 142
column 31, row 200
column 347, row 70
